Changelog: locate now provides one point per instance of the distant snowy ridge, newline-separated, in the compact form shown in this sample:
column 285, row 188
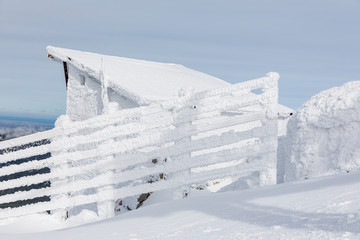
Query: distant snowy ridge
column 323, row 136
column 10, row 129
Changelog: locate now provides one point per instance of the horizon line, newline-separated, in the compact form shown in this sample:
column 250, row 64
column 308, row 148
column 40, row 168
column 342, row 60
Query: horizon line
column 50, row 121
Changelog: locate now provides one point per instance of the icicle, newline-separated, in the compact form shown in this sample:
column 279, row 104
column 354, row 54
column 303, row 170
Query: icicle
column 104, row 87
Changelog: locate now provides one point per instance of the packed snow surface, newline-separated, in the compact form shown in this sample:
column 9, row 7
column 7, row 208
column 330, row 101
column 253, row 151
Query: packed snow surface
column 323, row 136
column 145, row 80
column 322, row 208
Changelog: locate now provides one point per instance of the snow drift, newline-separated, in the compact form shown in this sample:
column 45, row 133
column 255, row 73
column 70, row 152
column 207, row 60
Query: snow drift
column 323, row 136
column 297, row 210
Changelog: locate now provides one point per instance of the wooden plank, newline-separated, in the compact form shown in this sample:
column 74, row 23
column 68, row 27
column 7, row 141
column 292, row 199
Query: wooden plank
column 66, row 74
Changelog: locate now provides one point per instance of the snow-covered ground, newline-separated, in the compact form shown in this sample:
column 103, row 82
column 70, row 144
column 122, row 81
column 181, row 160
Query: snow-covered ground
column 322, row 208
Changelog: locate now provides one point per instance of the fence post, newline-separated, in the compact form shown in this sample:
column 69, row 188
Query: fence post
column 61, row 214
column 106, row 209
column 270, row 124
column 184, row 191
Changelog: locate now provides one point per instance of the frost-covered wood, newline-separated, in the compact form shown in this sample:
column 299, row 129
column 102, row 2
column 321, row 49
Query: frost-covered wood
column 110, row 156
column 13, row 170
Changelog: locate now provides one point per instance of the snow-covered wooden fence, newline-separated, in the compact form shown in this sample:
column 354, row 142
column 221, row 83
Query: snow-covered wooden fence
column 192, row 139
column 13, row 171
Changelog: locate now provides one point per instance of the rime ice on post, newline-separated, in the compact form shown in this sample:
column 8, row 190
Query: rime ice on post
column 104, row 89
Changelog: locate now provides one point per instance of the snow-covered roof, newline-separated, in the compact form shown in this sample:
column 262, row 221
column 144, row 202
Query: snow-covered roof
column 141, row 81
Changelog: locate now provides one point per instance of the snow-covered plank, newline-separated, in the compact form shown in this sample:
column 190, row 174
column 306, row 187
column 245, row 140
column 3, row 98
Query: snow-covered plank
column 176, row 117
column 29, row 138
column 106, row 179
column 172, row 135
column 266, row 83
column 57, row 170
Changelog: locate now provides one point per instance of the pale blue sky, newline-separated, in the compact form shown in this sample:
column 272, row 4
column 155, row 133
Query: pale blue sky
column 314, row 45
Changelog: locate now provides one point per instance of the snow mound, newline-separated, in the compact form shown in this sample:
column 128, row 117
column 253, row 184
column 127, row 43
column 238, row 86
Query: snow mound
column 323, row 135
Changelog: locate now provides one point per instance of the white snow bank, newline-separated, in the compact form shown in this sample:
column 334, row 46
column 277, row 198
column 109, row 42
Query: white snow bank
column 301, row 210
column 323, row 136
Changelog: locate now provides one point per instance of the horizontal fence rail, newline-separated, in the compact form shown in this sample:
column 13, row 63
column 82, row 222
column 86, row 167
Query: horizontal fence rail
column 11, row 147
column 227, row 132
